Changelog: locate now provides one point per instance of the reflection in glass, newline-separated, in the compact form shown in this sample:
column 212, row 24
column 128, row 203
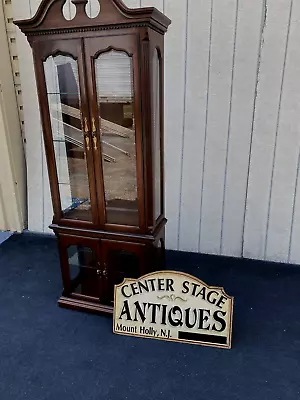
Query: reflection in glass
column 83, row 271
column 124, row 265
column 63, row 94
column 114, row 79
column 156, row 127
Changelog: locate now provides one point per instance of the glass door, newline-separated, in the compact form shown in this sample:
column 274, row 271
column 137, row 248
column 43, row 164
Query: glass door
column 85, row 273
column 121, row 260
column 82, row 272
column 116, row 124
column 69, row 132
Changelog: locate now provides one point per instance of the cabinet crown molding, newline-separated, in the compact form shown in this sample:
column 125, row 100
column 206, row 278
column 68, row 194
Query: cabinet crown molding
column 114, row 14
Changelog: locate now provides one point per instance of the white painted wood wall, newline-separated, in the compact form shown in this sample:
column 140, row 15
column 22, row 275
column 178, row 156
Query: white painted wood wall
column 12, row 156
column 232, row 127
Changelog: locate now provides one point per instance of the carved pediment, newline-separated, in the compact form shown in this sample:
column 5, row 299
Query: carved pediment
column 50, row 19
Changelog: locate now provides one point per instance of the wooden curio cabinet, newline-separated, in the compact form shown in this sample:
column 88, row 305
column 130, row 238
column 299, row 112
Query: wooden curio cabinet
column 100, row 87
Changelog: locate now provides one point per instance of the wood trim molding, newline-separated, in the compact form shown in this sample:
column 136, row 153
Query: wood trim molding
column 113, row 15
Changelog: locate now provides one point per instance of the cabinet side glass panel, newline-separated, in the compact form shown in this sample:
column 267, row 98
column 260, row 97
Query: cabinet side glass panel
column 62, row 82
column 156, row 132
column 114, row 81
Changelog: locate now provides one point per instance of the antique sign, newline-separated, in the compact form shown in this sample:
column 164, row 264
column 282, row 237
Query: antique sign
column 173, row 306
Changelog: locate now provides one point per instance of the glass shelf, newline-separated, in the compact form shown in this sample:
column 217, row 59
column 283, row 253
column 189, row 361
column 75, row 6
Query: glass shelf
column 62, row 93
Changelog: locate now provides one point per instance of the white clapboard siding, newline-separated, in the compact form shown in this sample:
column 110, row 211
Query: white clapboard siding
column 265, row 132
column 46, row 195
column 219, row 97
column 33, row 131
column 287, row 150
column 292, row 86
column 232, row 126
column 294, row 250
column 175, row 54
column 159, row 4
column 133, row 3
column 246, row 55
column 194, row 128
column 93, row 8
column 34, row 5
column 69, row 10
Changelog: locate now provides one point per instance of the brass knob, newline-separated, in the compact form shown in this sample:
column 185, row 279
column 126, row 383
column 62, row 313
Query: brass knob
column 86, row 126
column 94, row 130
column 95, row 141
column 94, row 133
column 87, row 141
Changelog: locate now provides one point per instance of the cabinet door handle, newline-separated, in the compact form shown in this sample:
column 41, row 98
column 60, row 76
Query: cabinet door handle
column 105, row 272
column 86, row 125
column 87, row 141
column 94, row 133
column 95, row 141
column 94, row 130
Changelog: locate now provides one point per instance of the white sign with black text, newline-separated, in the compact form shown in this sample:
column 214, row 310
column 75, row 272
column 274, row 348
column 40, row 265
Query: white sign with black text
column 173, row 306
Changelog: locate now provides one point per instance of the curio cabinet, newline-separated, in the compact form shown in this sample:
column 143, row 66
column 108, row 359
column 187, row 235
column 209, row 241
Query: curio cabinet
column 101, row 96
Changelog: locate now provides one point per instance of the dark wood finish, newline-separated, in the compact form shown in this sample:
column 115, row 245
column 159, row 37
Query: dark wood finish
column 114, row 15
column 96, row 255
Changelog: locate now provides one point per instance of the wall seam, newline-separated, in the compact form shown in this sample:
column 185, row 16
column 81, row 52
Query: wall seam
column 206, row 123
column 229, row 125
column 183, row 122
column 259, row 57
column 30, row 8
column 277, row 129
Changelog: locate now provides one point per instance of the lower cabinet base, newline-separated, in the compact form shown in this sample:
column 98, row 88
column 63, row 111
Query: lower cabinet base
column 83, row 305
column 93, row 262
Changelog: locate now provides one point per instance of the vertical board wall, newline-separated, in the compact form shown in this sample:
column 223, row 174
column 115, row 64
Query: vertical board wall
column 232, row 127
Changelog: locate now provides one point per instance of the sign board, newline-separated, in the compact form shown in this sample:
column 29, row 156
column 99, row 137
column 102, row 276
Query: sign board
column 173, row 306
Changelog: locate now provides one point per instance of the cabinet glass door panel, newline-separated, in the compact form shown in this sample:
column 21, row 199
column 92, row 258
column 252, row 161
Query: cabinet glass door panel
column 114, row 84
column 85, row 277
column 62, row 82
column 122, row 260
